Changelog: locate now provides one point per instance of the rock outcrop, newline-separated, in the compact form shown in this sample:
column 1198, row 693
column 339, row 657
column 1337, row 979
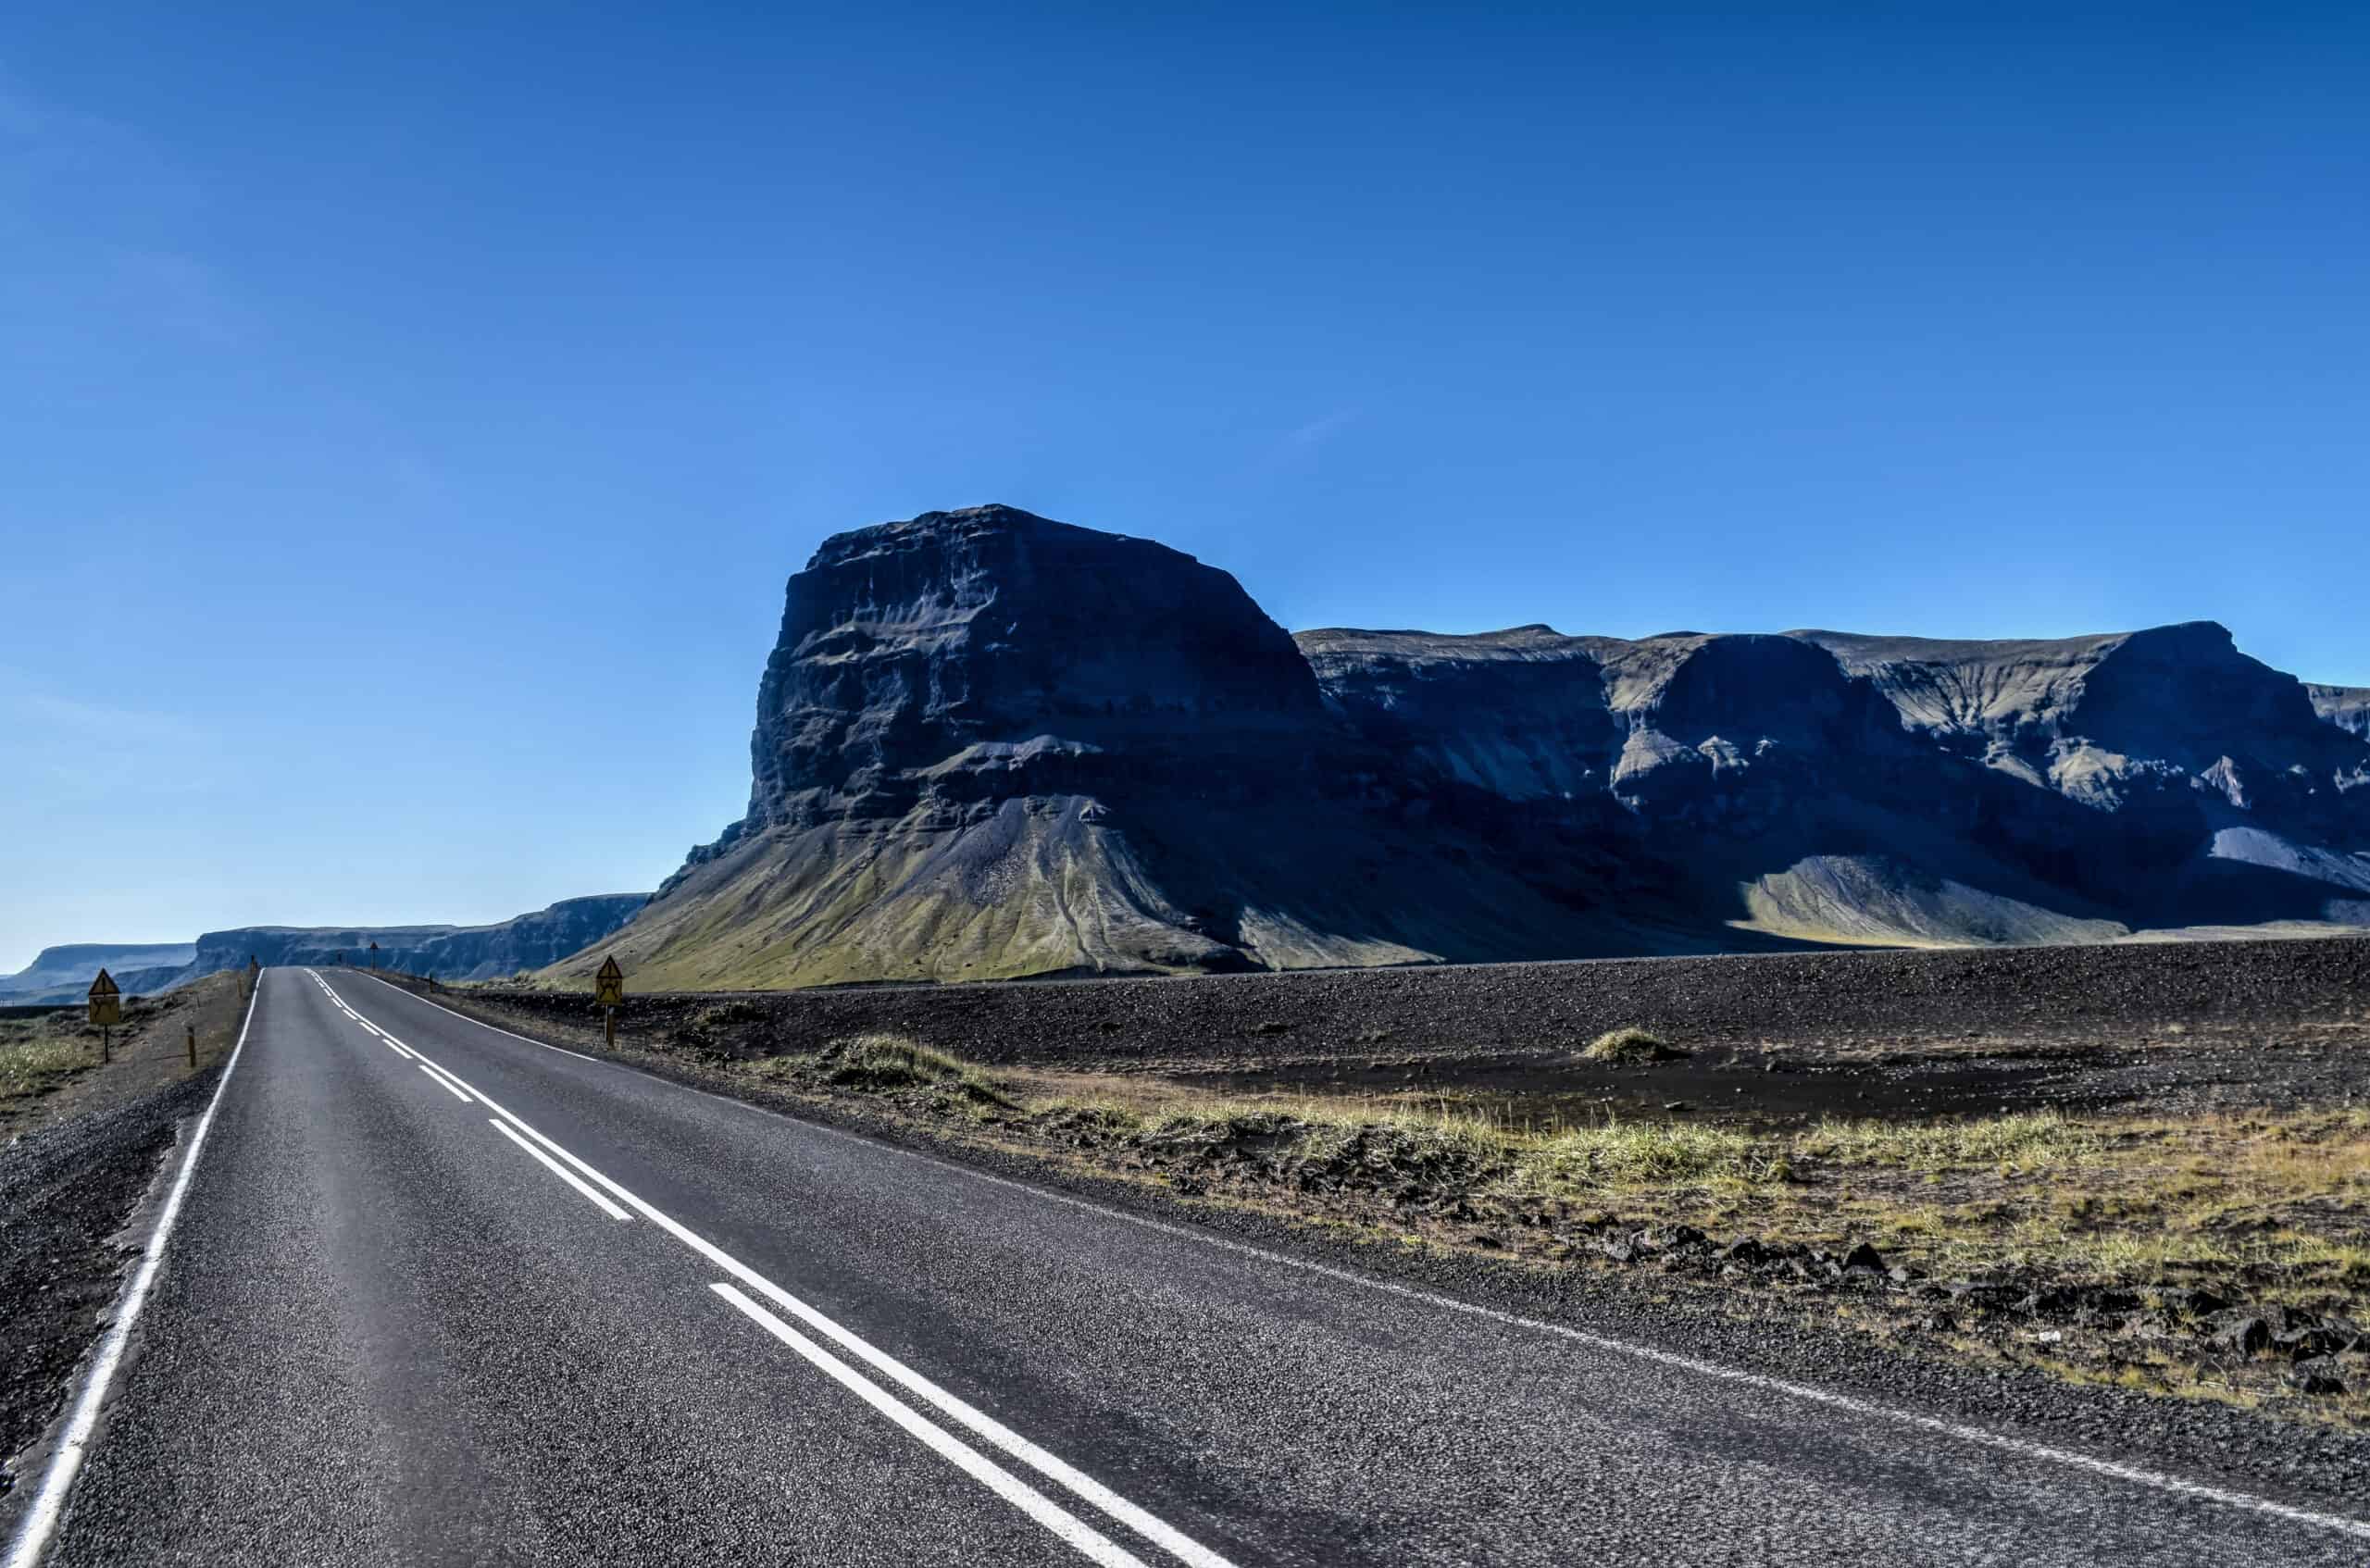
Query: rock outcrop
column 991, row 745
column 2348, row 707
column 966, row 657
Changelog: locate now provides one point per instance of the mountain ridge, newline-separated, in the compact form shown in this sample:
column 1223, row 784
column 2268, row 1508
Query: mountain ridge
column 989, row 744
column 496, row 949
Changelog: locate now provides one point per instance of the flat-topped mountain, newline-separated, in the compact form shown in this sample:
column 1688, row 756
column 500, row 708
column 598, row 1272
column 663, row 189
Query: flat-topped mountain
column 970, row 656
column 989, row 744
column 71, row 967
column 449, row 952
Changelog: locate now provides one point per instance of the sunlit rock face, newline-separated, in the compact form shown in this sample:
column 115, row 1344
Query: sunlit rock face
column 991, row 744
column 2348, row 707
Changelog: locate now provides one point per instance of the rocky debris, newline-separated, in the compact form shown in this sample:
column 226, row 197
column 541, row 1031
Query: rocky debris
column 2242, row 1334
column 2320, row 1376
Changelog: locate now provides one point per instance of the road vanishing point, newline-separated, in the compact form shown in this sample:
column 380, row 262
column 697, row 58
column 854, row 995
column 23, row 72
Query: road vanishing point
column 424, row 1291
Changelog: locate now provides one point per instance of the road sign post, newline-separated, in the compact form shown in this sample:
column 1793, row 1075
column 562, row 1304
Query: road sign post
column 610, row 990
column 107, row 1011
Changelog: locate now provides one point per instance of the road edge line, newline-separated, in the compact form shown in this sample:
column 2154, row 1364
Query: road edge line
column 49, row 1504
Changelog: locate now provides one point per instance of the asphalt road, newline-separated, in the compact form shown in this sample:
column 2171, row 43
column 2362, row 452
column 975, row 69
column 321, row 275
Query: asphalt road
column 453, row 1297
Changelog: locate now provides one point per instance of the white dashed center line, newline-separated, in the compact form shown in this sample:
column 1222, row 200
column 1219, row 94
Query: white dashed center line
column 616, row 1201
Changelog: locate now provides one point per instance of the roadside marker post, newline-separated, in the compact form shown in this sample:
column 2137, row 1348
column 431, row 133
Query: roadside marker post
column 107, row 1011
column 609, row 992
column 193, row 1043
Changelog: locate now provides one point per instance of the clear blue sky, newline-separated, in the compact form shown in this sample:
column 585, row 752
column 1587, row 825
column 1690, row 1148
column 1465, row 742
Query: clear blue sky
column 408, row 418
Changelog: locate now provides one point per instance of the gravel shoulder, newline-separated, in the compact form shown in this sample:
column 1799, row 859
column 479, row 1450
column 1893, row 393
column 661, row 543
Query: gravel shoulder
column 81, row 1156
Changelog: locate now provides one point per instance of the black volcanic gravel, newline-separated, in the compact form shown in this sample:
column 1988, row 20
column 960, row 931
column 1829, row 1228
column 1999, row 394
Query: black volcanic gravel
column 65, row 1193
column 2131, row 994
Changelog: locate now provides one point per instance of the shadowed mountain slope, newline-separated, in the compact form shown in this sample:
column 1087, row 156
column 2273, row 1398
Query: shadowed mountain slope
column 991, row 745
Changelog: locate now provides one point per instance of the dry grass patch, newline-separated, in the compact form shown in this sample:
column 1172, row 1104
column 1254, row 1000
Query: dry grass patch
column 2026, row 1141
column 35, row 1057
column 1630, row 1158
column 2280, row 1198
column 1630, row 1044
column 885, row 1063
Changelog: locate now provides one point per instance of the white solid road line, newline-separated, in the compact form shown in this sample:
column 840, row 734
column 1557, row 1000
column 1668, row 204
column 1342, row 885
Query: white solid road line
column 1866, row 1409
column 1078, row 1482
column 1074, row 1531
column 40, row 1518
column 445, row 1080
column 1168, row 1537
column 560, row 1171
column 490, row 1029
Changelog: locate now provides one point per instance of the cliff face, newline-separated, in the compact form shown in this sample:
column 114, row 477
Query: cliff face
column 1915, row 789
column 965, row 657
column 72, row 968
column 989, row 744
column 449, row 952
column 2101, row 719
column 2348, row 707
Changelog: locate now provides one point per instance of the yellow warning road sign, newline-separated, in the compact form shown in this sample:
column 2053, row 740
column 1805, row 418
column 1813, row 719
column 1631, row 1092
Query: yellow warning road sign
column 609, row 984
column 106, row 1002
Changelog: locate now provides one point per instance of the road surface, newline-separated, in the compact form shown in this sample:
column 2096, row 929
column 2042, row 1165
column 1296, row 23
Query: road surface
column 437, row 1294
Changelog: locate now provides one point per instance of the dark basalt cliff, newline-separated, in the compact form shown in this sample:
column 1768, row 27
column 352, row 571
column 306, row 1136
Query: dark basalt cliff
column 965, row 657
column 989, row 744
